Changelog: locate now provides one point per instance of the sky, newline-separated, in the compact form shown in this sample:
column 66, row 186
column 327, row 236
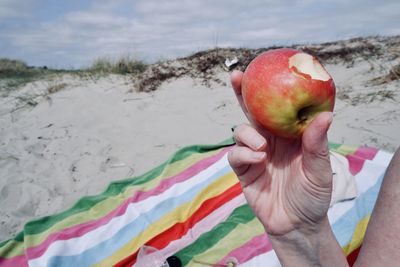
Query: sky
column 72, row 34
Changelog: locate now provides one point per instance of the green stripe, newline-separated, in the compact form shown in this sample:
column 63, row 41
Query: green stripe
column 84, row 204
column 16, row 241
column 240, row 215
column 242, row 234
column 11, row 249
column 334, row 146
column 343, row 149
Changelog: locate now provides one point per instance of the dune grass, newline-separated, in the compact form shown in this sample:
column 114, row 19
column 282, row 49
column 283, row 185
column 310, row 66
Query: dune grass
column 16, row 73
column 123, row 65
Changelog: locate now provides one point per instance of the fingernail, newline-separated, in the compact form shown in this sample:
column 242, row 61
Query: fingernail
column 258, row 143
column 258, row 155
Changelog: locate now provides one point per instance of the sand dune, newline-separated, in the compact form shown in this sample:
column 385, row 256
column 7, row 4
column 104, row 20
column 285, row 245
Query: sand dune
column 56, row 148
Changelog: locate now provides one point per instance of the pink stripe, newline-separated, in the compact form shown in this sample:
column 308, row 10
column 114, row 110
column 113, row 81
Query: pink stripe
column 203, row 226
column 355, row 164
column 356, row 160
column 82, row 229
column 256, row 246
column 366, row 152
column 19, row 261
column 192, row 171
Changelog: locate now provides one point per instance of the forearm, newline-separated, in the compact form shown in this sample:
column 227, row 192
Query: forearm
column 312, row 247
column 381, row 245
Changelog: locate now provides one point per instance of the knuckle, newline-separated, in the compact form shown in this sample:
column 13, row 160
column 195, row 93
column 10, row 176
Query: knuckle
column 234, row 156
column 241, row 131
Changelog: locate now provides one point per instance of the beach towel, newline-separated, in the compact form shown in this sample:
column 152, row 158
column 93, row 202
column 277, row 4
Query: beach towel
column 191, row 207
column 344, row 185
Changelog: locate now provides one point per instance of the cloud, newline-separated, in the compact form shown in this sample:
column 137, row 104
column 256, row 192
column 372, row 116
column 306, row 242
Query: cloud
column 154, row 29
column 93, row 19
column 11, row 9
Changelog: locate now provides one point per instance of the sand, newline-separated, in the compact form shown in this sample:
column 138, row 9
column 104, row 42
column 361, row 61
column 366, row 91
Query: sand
column 56, row 148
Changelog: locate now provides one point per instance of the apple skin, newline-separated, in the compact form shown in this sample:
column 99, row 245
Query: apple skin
column 281, row 99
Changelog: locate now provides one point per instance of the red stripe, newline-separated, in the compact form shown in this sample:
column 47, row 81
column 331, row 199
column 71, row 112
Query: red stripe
column 180, row 229
column 352, row 257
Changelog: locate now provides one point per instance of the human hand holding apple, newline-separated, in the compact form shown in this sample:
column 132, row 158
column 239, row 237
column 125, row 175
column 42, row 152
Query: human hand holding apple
column 282, row 162
column 284, row 89
column 287, row 163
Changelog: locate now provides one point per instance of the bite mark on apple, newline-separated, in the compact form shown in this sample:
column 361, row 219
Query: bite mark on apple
column 308, row 67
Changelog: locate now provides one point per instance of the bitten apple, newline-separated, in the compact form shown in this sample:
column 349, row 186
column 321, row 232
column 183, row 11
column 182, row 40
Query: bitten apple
column 284, row 89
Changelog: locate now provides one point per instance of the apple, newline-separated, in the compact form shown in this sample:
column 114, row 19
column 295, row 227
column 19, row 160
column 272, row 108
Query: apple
column 285, row 89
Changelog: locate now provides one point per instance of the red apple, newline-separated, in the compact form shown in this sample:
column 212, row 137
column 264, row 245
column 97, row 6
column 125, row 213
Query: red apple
column 284, row 89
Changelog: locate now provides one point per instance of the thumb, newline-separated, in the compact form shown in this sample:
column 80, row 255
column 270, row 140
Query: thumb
column 316, row 161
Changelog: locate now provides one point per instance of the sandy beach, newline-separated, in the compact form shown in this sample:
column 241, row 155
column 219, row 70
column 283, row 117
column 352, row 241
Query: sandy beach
column 58, row 147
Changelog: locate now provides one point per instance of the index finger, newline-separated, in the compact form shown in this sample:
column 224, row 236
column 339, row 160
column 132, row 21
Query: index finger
column 236, row 81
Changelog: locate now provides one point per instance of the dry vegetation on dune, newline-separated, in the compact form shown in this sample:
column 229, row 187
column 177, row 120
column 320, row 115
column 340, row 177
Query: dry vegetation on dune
column 205, row 64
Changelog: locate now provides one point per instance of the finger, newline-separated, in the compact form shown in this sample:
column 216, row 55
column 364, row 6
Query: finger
column 316, row 161
column 243, row 158
column 245, row 135
column 236, row 81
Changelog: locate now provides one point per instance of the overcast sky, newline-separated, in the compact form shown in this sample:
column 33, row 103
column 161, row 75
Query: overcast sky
column 71, row 34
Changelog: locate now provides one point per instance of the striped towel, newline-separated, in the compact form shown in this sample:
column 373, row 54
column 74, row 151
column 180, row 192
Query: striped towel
column 192, row 207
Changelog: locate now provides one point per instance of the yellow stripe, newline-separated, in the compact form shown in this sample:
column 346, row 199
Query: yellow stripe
column 104, row 207
column 239, row 236
column 180, row 214
column 345, row 149
column 12, row 248
column 358, row 236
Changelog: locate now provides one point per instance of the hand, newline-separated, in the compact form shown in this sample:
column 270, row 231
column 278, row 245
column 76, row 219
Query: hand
column 288, row 183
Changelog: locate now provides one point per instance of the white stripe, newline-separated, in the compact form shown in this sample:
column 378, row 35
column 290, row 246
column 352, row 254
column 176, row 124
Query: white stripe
column 383, row 158
column 365, row 179
column 80, row 244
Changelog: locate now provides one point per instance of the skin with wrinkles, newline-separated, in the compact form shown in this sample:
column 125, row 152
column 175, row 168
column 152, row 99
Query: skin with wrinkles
column 288, row 188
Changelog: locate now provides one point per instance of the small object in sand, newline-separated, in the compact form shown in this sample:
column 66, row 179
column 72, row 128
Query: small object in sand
column 174, row 261
column 118, row 165
column 231, row 63
column 232, row 262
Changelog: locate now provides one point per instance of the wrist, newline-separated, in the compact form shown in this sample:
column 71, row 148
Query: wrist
column 309, row 245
